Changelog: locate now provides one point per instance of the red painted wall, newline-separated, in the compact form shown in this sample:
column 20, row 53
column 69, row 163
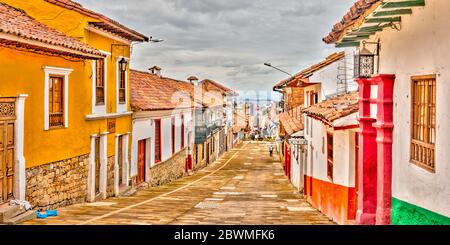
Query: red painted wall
column 335, row 201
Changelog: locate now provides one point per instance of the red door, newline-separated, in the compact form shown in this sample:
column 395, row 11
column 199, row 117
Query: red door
column 141, row 161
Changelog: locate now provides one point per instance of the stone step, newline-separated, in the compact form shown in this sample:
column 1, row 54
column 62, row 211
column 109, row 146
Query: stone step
column 27, row 216
column 8, row 212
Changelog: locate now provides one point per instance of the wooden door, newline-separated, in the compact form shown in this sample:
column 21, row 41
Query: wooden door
column 7, row 144
column 97, row 165
column 142, row 146
column 120, row 159
column 207, row 153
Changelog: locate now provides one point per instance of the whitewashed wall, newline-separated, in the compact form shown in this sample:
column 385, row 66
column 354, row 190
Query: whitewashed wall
column 166, row 138
column 298, row 162
column 344, row 155
column 420, row 48
column 143, row 129
column 328, row 78
column 318, row 169
column 313, row 88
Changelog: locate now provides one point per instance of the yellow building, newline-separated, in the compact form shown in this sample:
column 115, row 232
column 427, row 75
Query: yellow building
column 67, row 82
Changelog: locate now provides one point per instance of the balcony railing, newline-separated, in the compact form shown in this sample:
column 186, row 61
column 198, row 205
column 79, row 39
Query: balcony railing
column 56, row 119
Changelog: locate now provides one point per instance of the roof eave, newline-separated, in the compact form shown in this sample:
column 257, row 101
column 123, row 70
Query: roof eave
column 28, row 44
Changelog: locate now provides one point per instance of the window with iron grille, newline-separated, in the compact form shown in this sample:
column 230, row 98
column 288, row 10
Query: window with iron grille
column 56, row 101
column 100, row 82
column 330, row 159
column 122, row 86
column 423, row 121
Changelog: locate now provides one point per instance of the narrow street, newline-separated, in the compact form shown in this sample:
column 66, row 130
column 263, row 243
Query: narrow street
column 245, row 186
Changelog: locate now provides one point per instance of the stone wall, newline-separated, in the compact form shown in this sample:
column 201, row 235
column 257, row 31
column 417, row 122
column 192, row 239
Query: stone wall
column 169, row 170
column 110, row 176
column 58, row 184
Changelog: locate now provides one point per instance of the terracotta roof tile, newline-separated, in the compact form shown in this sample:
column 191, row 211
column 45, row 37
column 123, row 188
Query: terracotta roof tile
column 210, row 84
column 154, row 92
column 360, row 9
column 104, row 22
column 292, row 121
column 22, row 31
column 304, row 74
column 335, row 108
column 151, row 92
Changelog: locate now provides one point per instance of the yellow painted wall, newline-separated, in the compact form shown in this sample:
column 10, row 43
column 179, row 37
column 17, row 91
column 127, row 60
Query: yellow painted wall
column 21, row 72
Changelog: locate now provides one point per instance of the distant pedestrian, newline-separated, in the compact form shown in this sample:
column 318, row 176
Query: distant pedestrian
column 271, row 151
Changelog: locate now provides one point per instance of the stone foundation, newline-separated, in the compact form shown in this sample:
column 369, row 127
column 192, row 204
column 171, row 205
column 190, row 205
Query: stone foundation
column 58, row 184
column 168, row 171
column 110, row 177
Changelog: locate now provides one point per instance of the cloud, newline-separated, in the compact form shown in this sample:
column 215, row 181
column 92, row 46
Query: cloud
column 228, row 41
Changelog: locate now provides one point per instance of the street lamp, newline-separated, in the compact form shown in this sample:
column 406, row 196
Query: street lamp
column 278, row 69
column 365, row 61
column 123, row 65
column 155, row 40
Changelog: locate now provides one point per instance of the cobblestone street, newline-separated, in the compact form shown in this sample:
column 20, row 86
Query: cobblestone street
column 246, row 186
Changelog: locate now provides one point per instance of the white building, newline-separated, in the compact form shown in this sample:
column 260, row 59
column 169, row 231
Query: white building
column 163, row 131
column 330, row 131
column 323, row 80
column 412, row 54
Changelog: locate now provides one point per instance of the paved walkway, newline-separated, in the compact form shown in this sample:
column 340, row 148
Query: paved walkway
column 246, row 186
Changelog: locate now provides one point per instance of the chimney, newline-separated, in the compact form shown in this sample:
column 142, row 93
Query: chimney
column 193, row 80
column 155, row 70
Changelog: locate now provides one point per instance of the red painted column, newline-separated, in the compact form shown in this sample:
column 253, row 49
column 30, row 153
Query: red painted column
column 367, row 168
column 384, row 127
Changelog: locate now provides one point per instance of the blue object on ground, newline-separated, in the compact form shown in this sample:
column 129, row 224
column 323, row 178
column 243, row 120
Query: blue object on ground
column 52, row 213
column 40, row 215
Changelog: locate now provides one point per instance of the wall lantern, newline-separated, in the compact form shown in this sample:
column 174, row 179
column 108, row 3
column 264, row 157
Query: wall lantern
column 123, row 65
column 365, row 62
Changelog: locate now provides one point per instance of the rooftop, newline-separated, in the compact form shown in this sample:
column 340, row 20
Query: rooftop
column 21, row 31
column 104, row 22
column 150, row 92
column 335, row 108
column 292, row 121
column 304, row 74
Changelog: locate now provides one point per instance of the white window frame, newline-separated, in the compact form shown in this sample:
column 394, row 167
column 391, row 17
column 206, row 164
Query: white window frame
column 99, row 109
column 121, row 107
column 58, row 71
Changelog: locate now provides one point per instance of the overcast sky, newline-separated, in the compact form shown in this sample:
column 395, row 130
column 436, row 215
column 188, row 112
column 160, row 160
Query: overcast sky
column 228, row 41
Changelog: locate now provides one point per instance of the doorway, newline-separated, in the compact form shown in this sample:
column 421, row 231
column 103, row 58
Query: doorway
column 142, row 157
column 7, row 152
column 207, row 153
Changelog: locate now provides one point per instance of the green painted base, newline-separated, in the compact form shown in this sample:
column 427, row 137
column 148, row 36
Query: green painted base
column 404, row 213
